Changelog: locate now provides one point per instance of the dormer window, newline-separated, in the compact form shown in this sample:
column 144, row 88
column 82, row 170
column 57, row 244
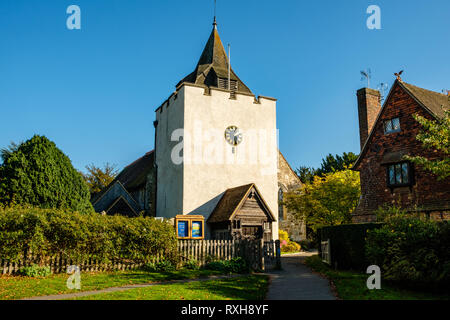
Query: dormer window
column 392, row 125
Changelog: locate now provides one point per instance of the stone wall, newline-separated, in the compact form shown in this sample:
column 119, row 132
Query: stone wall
column 288, row 181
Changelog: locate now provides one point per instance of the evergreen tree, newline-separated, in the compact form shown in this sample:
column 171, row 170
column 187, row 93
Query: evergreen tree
column 336, row 163
column 37, row 173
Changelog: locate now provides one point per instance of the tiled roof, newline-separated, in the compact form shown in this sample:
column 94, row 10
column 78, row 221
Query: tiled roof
column 135, row 174
column 132, row 176
column 213, row 64
column 434, row 101
column 121, row 206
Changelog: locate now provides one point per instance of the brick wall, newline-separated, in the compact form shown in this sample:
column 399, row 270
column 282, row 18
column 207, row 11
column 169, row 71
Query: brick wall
column 369, row 106
column 427, row 192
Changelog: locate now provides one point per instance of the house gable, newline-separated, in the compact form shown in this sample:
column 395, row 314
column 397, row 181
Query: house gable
column 410, row 100
column 422, row 191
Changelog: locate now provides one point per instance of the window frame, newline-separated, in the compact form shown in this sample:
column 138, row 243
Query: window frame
column 410, row 174
column 391, row 122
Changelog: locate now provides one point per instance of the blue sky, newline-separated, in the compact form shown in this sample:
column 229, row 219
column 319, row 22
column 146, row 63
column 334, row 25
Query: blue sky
column 94, row 91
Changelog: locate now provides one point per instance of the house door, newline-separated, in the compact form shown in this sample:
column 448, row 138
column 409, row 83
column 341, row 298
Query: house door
column 252, row 232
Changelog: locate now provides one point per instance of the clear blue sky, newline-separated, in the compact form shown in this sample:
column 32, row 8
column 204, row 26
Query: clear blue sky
column 94, row 91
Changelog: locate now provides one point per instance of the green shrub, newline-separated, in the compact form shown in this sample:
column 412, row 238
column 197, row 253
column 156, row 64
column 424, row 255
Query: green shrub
column 39, row 174
column 161, row 266
column 412, row 252
column 347, row 244
column 76, row 236
column 35, row 271
column 235, row 265
column 192, row 264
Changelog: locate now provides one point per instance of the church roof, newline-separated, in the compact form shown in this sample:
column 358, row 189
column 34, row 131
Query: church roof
column 135, row 174
column 132, row 176
column 213, row 65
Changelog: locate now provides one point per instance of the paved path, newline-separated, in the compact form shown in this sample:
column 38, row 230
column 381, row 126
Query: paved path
column 128, row 287
column 297, row 282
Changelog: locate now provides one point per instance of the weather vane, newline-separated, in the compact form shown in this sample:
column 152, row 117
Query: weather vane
column 215, row 5
column 398, row 75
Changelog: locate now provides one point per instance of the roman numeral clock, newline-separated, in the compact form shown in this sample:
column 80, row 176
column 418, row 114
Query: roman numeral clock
column 233, row 136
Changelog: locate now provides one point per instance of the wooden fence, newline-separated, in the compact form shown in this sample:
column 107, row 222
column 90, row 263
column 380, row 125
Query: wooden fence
column 258, row 254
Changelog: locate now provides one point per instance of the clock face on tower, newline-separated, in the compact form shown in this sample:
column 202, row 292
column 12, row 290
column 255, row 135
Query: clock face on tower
column 233, row 135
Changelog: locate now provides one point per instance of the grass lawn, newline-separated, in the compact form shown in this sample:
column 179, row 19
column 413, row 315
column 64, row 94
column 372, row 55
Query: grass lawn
column 17, row 287
column 352, row 285
column 250, row 287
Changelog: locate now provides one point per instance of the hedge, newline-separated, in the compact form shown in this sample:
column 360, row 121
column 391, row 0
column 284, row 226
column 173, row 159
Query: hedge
column 48, row 232
column 347, row 244
column 412, row 253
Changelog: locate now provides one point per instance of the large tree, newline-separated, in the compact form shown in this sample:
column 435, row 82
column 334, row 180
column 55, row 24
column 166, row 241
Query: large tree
column 98, row 178
column 327, row 200
column 329, row 164
column 435, row 136
column 336, row 163
column 37, row 173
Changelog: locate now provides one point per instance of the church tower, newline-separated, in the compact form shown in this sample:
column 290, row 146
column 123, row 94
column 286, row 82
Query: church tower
column 216, row 151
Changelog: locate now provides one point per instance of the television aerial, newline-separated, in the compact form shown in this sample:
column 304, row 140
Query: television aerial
column 382, row 87
column 366, row 74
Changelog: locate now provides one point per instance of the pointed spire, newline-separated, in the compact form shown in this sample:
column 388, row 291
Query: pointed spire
column 212, row 67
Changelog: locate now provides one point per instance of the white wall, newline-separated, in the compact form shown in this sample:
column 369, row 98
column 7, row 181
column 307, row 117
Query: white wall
column 196, row 186
column 169, row 193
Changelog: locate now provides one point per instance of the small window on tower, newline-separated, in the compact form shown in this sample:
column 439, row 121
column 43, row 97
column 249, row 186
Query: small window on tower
column 222, row 83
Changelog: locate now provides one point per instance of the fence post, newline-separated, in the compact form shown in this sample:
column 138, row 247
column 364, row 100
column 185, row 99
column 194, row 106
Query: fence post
column 261, row 254
column 278, row 254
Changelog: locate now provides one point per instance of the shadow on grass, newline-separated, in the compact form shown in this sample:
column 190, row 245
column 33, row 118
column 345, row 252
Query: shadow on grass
column 249, row 287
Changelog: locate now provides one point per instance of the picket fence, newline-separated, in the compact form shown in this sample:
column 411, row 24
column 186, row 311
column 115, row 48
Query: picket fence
column 258, row 254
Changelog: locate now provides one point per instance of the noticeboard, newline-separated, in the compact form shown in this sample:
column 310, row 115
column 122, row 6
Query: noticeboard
column 183, row 229
column 190, row 227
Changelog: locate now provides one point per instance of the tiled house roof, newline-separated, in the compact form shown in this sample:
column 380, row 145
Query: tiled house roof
column 433, row 102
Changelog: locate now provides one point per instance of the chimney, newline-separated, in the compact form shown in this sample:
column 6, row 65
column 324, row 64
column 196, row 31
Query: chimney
column 369, row 105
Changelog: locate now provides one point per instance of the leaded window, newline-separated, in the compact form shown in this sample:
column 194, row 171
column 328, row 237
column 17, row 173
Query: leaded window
column 392, row 125
column 399, row 174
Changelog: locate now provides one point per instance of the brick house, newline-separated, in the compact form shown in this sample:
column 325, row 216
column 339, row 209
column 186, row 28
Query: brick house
column 387, row 134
